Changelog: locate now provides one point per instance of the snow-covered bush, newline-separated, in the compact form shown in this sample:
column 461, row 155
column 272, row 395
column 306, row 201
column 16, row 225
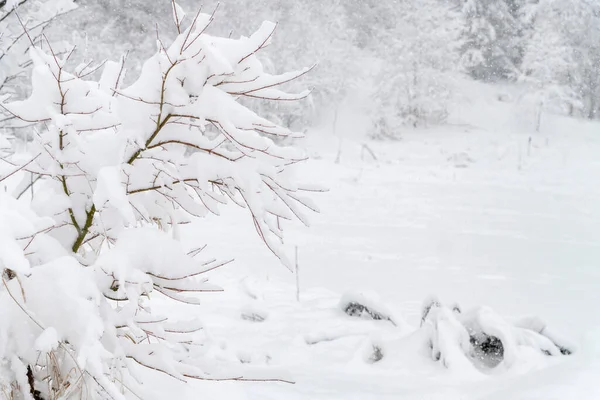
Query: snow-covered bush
column 481, row 338
column 361, row 306
column 122, row 168
column 418, row 97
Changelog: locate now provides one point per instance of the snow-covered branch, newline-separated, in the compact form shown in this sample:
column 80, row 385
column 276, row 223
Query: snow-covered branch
column 122, row 167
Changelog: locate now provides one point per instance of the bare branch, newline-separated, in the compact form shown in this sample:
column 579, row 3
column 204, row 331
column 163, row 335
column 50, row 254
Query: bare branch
column 20, row 168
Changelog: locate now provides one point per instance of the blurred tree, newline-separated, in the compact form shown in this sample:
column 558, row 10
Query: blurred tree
column 562, row 57
column 491, row 47
column 413, row 82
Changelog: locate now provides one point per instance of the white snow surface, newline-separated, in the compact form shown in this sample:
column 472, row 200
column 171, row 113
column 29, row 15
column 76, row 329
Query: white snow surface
column 482, row 212
column 475, row 213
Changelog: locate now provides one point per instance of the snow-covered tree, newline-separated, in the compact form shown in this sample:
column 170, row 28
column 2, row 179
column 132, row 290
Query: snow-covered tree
column 525, row 12
column 415, row 81
column 490, row 49
column 548, row 62
column 15, row 15
column 123, row 166
column 562, row 58
column 581, row 24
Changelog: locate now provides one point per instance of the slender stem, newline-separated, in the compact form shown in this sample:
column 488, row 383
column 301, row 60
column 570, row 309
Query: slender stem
column 86, row 228
column 63, row 180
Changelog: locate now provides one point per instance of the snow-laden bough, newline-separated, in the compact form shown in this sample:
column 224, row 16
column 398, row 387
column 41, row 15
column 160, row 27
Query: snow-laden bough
column 118, row 168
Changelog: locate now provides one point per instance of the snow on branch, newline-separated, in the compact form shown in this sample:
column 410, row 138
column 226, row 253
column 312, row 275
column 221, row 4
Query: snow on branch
column 21, row 26
column 121, row 168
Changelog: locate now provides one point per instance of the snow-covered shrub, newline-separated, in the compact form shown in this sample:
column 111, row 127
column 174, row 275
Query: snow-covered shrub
column 415, row 98
column 122, row 168
column 371, row 350
column 428, row 304
column 480, row 337
column 360, row 306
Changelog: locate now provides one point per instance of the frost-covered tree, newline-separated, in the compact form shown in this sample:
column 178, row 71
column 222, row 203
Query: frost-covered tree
column 490, row 49
column 123, row 166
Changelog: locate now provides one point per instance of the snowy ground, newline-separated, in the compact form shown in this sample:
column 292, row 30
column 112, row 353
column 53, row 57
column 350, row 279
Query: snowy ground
column 474, row 213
